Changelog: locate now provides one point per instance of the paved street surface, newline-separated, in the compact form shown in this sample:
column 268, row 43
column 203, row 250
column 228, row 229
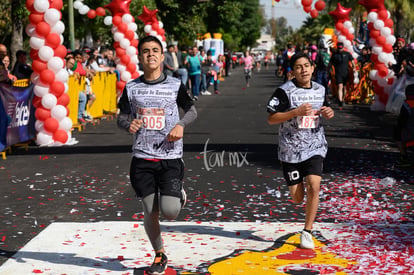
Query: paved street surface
column 70, row 210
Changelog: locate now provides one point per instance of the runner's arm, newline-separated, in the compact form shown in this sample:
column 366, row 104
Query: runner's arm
column 185, row 102
column 124, row 117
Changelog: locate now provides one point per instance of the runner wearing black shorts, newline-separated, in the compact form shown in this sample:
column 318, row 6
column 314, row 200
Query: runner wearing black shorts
column 149, row 110
column 299, row 106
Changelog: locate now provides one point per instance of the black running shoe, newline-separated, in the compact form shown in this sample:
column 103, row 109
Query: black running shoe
column 160, row 264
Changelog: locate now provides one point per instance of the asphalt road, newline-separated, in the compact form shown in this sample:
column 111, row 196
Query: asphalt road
column 232, row 173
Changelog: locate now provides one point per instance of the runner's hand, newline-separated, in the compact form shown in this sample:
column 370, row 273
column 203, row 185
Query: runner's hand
column 135, row 125
column 176, row 133
column 304, row 110
column 326, row 112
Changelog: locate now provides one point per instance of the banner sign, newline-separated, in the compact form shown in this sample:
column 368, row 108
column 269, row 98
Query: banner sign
column 18, row 113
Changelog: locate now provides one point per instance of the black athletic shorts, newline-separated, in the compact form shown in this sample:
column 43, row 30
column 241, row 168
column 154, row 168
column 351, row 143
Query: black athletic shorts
column 294, row 173
column 164, row 177
column 341, row 78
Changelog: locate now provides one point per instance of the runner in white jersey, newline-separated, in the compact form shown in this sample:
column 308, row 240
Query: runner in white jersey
column 299, row 106
column 149, row 110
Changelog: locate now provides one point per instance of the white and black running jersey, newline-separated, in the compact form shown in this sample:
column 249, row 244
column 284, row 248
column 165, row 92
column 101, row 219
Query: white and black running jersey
column 300, row 138
column 156, row 104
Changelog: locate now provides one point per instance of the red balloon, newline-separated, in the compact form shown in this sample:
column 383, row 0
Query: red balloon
column 36, row 101
column 35, row 18
column 307, row 9
column 161, row 32
column 53, row 40
column 339, row 26
column 34, row 54
column 129, row 35
column 120, row 52
column 29, row 5
column 306, row 2
column 116, row 20
column 116, row 45
column 125, row 59
column 381, row 40
column 374, row 58
column 381, row 69
column 57, row 88
column 155, row 26
column 47, row 76
column 387, row 48
column 135, row 75
column 51, row 124
column 320, row 5
column 388, row 23
column 382, row 14
column 383, row 97
column 374, row 33
column 60, row 136
column 43, row 29
column 134, row 42
column 371, row 26
column 119, row 7
column 131, row 67
column 122, row 27
column 345, row 32
column 100, row 11
column 60, row 51
column 148, row 16
column 340, row 13
column 39, row 66
column 390, row 81
column 372, row 4
column 91, row 14
column 42, row 113
column 120, row 85
column 56, row 4
column 64, row 99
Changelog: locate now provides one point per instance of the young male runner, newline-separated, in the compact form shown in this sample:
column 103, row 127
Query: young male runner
column 149, row 110
column 298, row 106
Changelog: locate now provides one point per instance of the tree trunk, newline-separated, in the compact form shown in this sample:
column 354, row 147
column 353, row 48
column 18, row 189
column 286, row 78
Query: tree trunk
column 17, row 34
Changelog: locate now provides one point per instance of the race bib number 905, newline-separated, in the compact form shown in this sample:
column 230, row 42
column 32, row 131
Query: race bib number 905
column 308, row 122
column 152, row 118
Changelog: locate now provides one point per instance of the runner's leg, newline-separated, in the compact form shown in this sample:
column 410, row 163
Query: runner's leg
column 313, row 184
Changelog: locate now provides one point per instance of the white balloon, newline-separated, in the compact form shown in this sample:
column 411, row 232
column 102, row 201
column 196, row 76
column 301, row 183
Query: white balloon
column 77, row 4
column 49, row 101
column 147, row 28
column 355, row 55
column 134, row 59
column 298, row 3
column 160, row 24
column 391, row 39
column 30, row 29
column 62, row 76
column 377, row 50
column 46, row 53
column 127, row 18
column 41, row 90
column 124, row 43
column 114, row 29
column 341, row 38
column 58, row 28
column 55, row 64
column 347, row 44
column 348, row 24
column 372, row 16
column 131, row 50
column 121, row 68
column 39, row 126
column 125, row 76
column 65, row 124
column 382, row 82
column 164, row 45
column 66, row 87
column 372, row 42
column 84, row 10
column 59, row 112
column 378, row 24
column 373, row 74
column 383, row 57
column 385, row 31
column 118, row 36
column 108, row 20
column 153, row 33
column 52, row 16
column 133, row 26
column 351, row 30
column 62, row 39
column 36, row 42
column 41, row 5
column 44, row 138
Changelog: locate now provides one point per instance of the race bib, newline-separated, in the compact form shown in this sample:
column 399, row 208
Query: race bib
column 152, row 118
column 308, row 122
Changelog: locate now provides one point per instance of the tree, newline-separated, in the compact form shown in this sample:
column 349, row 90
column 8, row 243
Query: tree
column 19, row 15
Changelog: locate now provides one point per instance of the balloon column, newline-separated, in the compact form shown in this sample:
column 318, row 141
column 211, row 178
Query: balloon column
column 124, row 33
column 307, row 6
column 152, row 25
column 381, row 40
column 49, row 76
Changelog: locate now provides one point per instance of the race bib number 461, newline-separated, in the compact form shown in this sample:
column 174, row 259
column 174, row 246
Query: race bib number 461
column 152, row 118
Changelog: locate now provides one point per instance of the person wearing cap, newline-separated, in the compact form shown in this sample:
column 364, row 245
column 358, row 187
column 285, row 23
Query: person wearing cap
column 340, row 62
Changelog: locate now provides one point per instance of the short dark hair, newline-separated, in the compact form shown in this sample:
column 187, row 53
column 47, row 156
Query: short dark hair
column 298, row 55
column 19, row 53
column 146, row 39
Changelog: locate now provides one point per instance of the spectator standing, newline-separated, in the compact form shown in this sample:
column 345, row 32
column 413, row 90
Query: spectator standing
column 6, row 62
column 193, row 62
column 21, row 69
column 182, row 68
column 157, row 169
column 340, row 61
column 321, row 67
column 169, row 61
